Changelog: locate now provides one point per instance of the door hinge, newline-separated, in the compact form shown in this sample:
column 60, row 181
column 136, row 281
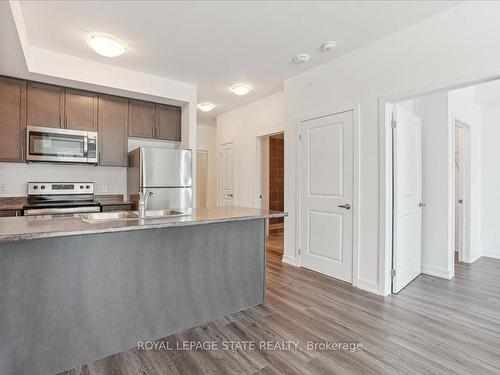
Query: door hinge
column 299, row 250
column 394, row 124
column 393, row 272
column 300, row 137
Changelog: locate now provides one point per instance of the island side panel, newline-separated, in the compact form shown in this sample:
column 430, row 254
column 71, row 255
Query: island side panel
column 71, row 300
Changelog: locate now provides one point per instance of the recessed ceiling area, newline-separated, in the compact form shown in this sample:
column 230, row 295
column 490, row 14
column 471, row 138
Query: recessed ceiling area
column 216, row 44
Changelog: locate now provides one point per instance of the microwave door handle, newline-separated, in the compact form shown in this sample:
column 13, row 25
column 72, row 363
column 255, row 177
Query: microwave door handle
column 85, row 146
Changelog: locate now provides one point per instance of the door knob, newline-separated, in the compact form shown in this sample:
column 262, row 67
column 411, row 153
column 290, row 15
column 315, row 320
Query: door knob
column 347, row 206
column 230, row 195
column 421, row 204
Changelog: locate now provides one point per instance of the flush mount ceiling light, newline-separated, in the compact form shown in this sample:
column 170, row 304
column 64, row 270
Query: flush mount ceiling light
column 105, row 45
column 240, row 89
column 328, row 46
column 301, row 59
column 206, row 107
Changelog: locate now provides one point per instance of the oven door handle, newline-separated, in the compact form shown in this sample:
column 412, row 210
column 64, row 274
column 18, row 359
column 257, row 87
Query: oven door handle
column 61, row 210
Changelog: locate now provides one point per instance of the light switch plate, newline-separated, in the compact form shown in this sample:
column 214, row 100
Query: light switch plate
column 3, row 188
column 104, row 188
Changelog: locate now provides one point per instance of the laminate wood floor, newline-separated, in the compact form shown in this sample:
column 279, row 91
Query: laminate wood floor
column 433, row 326
column 275, row 243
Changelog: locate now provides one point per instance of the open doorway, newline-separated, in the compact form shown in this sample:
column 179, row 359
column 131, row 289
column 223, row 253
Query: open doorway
column 271, row 187
column 436, row 183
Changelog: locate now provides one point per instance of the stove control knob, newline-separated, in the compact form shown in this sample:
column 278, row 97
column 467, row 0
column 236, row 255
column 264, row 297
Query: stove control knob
column 35, row 187
column 43, row 187
column 81, row 186
column 88, row 186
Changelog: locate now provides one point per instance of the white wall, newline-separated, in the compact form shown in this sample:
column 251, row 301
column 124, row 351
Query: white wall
column 14, row 176
column 453, row 47
column 242, row 126
column 207, row 141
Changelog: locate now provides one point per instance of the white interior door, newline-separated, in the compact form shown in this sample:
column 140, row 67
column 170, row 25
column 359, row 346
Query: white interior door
column 227, row 175
column 407, row 246
column 201, row 178
column 326, row 174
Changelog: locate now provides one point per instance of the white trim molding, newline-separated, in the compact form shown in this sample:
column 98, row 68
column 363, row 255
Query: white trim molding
column 369, row 286
column 495, row 254
column 437, row 272
column 289, row 260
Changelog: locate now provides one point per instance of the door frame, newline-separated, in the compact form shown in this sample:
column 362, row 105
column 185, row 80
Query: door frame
column 356, row 282
column 221, row 172
column 385, row 161
column 465, row 251
column 258, row 177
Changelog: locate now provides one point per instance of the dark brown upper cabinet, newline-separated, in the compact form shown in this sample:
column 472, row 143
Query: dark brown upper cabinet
column 168, row 122
column 141, row 119
column 113, row 120
column 45, row 105
column 12, row 119
column 150, row 120
column 26, row 103
column 80, row 110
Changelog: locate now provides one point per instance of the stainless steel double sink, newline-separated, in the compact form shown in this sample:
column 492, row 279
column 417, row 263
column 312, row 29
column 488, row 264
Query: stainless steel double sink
column 130, row 215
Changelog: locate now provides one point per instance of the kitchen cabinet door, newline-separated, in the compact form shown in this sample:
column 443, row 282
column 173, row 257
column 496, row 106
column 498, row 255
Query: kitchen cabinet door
column 80, row 110
column 113, row 137
column 168, row 122
column 45, row 105
column 141, row 119
column 12, row 119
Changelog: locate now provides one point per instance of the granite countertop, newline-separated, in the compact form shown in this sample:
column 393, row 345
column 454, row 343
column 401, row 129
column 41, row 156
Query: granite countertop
column 32, row 227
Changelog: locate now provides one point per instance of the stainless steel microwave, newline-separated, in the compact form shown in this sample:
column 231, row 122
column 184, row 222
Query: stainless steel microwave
column 61, row 145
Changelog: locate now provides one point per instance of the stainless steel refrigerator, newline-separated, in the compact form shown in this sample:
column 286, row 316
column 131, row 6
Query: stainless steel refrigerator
column 165, row 174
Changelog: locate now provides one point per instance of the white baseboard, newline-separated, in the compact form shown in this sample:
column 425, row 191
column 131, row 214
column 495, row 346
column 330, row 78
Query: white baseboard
column 438, row 272
column 495, row 254
column 474, row 257
column 289, row 260
column 369, row 286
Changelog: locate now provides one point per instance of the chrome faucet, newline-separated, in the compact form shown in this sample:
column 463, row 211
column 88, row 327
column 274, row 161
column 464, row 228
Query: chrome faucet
column 143, row 202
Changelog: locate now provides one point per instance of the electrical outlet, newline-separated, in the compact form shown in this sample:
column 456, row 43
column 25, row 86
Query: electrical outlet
column 104, row 188
column 3, row 188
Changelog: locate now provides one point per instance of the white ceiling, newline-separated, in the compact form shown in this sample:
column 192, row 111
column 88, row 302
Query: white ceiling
column 215, row 44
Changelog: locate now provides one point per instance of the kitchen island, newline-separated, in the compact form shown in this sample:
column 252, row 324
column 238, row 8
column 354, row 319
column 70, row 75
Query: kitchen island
column 73, row 291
